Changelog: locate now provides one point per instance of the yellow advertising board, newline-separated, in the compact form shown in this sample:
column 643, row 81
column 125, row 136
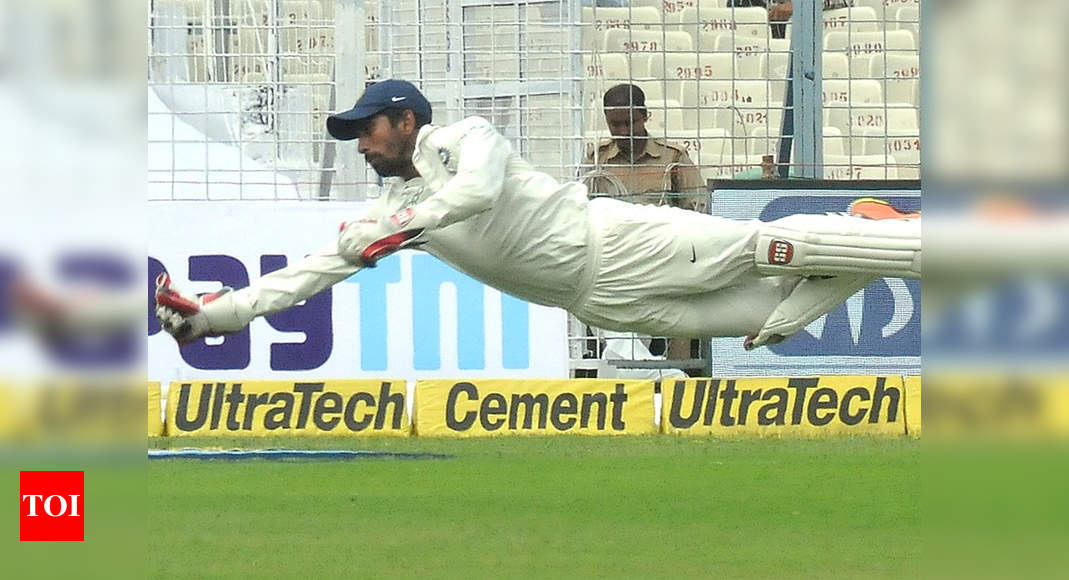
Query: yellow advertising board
column 470, row 408
column 155, row 412
column 782, row 406
column 997, row 404
column 913, row 405
column 342, row 407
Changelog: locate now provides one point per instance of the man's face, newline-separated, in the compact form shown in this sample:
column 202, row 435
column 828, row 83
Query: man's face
column 388, row 149
column 626, row 126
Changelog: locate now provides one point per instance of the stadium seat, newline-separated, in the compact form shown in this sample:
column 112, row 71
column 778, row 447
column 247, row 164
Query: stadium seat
column 859, row 47
column 773, row 66
column 712, row 144
column 728, row 104
column 853, row 167
column 842, row 98
column 652, row 41
column 616, row 66
column 861, row 122
column 877, row 6
column 678, row 69
column 673, row 9
column 657, row 4
column 898, row 147
column 857, row 19
column 742, row 25
column 908, row 18
column 598, row 20
column 747, row 54
column 714, row 157
column 899, row 74
column 766, row 141
column 666, row 117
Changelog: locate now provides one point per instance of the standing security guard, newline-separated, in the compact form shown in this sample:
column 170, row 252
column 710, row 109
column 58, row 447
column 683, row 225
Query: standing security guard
column 648, row 170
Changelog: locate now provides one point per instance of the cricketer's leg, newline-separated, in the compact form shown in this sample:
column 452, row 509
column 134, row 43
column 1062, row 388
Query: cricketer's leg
column 810, row 299
column 833, row 245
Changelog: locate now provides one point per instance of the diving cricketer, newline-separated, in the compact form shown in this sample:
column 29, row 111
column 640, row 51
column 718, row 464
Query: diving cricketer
column 467, row 198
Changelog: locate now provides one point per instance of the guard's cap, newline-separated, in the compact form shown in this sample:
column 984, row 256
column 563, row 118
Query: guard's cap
column 392, row 93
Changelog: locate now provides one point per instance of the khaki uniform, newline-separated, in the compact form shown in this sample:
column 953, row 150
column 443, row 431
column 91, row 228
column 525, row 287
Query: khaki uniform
column 645, row 179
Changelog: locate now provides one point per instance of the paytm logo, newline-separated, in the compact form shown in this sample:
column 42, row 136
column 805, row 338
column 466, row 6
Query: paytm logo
column 314, row 318
column 882, row 320
column 429, row 277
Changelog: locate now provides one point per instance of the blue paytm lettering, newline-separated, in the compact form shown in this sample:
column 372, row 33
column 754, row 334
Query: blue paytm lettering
column 429, row 277
column 313, row 318
column 234, row 352
column 884, row 321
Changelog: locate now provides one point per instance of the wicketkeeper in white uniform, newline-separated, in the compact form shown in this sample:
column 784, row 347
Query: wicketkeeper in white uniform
column 467, row 198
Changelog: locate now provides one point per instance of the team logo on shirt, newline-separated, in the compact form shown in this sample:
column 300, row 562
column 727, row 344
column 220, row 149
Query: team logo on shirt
column 403, row 217
column 780, row 252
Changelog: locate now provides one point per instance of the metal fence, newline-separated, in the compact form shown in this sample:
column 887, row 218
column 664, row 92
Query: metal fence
column 240, row 89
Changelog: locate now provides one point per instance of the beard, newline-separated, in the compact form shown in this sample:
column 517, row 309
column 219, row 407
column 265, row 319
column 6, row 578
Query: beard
column 385, row 167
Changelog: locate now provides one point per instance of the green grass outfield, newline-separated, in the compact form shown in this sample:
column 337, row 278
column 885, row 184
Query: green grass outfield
column 543, row 507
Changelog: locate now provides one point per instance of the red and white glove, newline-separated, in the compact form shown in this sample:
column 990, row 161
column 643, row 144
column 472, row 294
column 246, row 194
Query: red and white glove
column 188, row 318
column 366, row 241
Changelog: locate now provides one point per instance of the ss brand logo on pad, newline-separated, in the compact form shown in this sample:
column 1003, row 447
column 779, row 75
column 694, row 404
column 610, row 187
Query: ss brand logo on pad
column 51, row 506
column 780, row 252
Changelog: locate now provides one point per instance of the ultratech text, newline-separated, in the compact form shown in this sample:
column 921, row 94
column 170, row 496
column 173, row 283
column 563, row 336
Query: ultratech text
column 812, row 406
column 326, row 411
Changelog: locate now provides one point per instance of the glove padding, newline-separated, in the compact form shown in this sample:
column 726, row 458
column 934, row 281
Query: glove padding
column 366, row 241
column 183, row 316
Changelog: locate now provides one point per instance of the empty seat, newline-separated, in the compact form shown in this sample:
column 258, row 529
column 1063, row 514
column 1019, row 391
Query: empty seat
column 597, row 21
column 666, row 117
column 877, row 6
column 852, row 167
column 611, row 66
column 773, row 66
column 899, row 74
column 742, row 25
column 729, row 104
column 872, row 120
column 747, row 55
column 714, row 154
column 841, row 98
column 674, row 9
column 766, row 141
column 899, row 147
column 856, row 19
column 654, row 41
column 679, row 69
column 859, row 47
column 908, row 18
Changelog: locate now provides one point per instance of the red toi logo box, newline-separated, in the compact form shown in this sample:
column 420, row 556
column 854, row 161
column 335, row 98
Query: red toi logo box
column 52, row 506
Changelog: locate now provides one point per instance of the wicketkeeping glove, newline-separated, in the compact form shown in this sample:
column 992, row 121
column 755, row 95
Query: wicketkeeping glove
column 366, row 241
column 188, row 318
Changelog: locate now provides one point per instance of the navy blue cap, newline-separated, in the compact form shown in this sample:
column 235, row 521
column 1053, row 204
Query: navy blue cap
column 392, row 93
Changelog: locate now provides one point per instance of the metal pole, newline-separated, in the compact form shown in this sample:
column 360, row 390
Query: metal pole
column 806, row 38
